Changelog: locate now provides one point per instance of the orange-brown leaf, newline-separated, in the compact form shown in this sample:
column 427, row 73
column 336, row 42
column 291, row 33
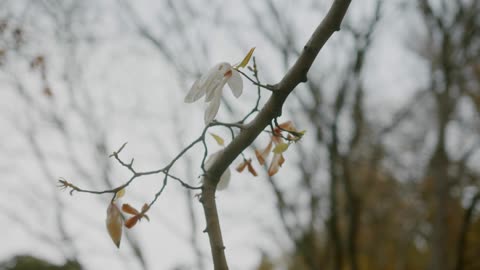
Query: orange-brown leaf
column 131, row 221
column 262, row 156
column 242, row 166
column 251, row 169
column 145, row 208
column 129, row 209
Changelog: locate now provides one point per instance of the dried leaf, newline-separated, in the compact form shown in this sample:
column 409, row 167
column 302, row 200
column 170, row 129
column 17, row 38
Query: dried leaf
column 132, row 221
column 247, row 163
column 114, row 224
column 129, row 209
column 218, row 139
column 251, row 169
column 277, row 162
column 246, row 59
column 145, row 208
column 242, row 166
column 262, row 156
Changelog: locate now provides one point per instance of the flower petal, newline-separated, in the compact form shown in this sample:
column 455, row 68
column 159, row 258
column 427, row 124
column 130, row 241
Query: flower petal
column 212, row 108
column 215, row 79
column 224, row 180
column 215, row 89
column 236, row 84
column 195, row 93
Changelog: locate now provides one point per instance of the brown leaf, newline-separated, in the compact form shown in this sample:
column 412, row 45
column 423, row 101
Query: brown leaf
column 131, row 221
column 251, row 169
column 241, row 166
column 129, row 209
column 262, row 155
column 145, row 208
column 114, row 224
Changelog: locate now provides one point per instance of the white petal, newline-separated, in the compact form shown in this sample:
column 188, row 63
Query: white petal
column 212, row 108
column 213, row 89
column 195, row 93
column 206, row 82
column 236, row 84
column 224, row 180
column 223, row 67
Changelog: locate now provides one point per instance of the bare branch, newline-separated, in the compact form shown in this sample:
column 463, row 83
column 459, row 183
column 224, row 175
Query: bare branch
column 272, row 109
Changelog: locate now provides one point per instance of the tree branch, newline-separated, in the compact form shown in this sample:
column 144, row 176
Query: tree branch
column 272, row 109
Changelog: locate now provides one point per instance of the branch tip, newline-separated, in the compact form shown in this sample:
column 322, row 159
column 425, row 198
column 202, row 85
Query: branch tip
column 115, row 153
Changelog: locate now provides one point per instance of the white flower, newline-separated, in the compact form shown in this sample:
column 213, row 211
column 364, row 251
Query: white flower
column 225, row 178
column 211, row 85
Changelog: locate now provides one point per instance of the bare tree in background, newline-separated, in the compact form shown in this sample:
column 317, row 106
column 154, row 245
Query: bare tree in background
column 57, row 106
column 248, row 133
column 364, row 192
column 451, row 47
